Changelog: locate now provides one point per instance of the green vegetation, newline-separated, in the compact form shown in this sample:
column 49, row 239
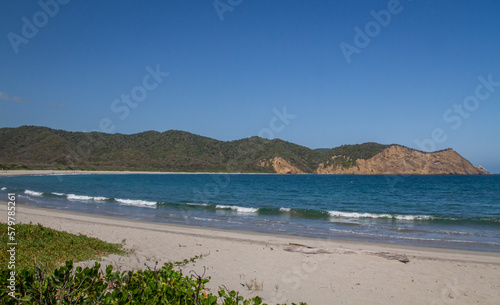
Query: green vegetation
column 40, row 278
column 68, row 285
column 340, row 162
column 31, row 147
column 52, row 248
column 358, row 151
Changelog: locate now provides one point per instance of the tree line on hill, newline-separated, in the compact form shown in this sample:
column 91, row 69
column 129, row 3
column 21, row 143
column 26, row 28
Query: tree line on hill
column 33, row 147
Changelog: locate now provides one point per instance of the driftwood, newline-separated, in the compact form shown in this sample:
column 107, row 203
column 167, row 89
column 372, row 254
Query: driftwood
column 293, row 247
column 301, row 248
column 393, row 256
column 300, row 245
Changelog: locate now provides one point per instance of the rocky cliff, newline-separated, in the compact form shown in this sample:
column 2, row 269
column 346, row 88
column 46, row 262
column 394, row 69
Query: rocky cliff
column 400, row 160
column 280, row 166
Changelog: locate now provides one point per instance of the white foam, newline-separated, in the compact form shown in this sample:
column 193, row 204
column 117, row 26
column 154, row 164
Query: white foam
column 237, row 208
column 101, row 198
column 3, row 188
column 246, row 210
column 79, row 197
column 371, row 215
column 285, row 209
column 33, row 193
column 197, row 204
column 207, row 219
column 357, row 215
column 143, row 203
column 58, row 194
column 412, row 217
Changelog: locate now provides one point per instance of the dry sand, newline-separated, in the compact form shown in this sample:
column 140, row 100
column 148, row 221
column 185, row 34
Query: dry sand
column 329, row 272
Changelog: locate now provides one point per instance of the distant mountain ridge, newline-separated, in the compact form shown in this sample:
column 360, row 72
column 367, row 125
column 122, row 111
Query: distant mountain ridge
column 33, row 147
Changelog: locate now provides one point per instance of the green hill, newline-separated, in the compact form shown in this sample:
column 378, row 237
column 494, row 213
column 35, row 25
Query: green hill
column 31, row 147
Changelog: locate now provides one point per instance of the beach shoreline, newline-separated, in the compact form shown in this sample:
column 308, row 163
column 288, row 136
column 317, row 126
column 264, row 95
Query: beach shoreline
column 40, row 172
column 245, row 234
column 283, row 268
column 200, row 203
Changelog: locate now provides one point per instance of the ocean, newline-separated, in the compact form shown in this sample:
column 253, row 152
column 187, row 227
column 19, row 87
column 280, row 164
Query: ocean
column 455, row 212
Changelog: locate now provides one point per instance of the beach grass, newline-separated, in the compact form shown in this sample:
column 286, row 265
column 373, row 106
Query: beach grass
column 50, row 248
column 44, row 271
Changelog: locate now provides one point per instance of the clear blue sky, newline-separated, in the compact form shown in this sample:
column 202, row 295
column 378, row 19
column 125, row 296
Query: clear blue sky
column 230, row 67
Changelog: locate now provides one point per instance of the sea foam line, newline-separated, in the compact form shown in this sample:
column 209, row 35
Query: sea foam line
column 33, row 193
column 82, row 197
column 371, row 215
column 133, row 202
column 3, row 188
column 237, row 208
column 79, row 197
column 101, row 198
column 197, row 204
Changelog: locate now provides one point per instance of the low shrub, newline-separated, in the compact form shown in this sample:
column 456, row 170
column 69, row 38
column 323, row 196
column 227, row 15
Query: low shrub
column 69, row 285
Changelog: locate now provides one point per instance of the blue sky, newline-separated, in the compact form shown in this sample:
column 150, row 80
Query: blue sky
column 422, row 74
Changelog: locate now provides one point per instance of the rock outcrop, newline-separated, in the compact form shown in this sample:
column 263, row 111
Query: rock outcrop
column 400, row 160
column 482, row 170
column 281, row 166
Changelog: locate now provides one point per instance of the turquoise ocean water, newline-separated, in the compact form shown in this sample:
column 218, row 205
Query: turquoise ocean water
column 458, row 212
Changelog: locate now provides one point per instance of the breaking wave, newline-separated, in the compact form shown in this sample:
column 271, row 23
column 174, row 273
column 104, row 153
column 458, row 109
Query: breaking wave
column 134, row 202
column 33, row 193
column 238, row 209
column 373, row 215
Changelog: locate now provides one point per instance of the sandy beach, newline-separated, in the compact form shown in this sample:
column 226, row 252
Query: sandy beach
column 289, row 269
